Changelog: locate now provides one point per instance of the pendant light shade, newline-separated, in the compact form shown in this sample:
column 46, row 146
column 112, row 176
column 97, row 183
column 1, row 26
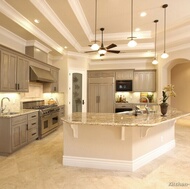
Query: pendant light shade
column 164, row 55
column 95, row 46
column 132, row 42
column 155, row 55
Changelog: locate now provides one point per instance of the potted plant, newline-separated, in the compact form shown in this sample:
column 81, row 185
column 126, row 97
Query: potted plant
column 167, row 92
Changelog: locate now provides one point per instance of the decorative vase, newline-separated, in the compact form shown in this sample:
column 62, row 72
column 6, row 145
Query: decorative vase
column 164, row 108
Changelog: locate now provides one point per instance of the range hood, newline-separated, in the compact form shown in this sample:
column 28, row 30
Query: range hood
column 40, row 75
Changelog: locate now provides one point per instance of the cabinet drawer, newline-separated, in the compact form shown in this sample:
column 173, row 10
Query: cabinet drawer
column 32, row 123
column 32, row 115
column 33, row 134
column 19, row 119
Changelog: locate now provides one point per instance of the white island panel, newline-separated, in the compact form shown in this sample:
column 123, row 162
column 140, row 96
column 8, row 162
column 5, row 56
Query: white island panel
column 109, row 141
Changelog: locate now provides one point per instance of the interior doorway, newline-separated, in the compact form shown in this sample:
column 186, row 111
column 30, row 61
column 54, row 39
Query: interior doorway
column 77, row 91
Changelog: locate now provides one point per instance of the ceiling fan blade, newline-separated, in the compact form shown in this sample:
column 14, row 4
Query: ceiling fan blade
column 113, row 51
column 102, row 54
column 90, row 51
column 111, row 46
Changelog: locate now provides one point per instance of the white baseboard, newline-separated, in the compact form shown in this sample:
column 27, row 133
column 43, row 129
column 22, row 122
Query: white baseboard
column 121, row 165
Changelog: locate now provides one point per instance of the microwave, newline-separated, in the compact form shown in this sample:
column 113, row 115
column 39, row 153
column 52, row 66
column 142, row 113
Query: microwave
column 124, row 85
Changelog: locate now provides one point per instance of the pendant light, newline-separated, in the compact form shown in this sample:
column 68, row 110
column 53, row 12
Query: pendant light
column 132, row 42
column 164, row 55
column 155, row 61
column 95, row 46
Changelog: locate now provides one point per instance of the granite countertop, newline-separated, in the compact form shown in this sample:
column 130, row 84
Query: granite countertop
column 14, row 114
column 128, row 120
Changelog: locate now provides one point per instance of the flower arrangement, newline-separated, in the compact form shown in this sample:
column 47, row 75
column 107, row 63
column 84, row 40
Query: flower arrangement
column 167, row 92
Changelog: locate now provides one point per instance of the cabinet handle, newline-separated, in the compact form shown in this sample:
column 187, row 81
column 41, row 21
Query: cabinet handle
column 18, row 86
column 33, row 116
column 26, row 126
column 33, row 134
column 33, row 123
column 82, row 101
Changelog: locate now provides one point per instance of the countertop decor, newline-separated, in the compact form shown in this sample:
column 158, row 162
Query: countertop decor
column 167, row 92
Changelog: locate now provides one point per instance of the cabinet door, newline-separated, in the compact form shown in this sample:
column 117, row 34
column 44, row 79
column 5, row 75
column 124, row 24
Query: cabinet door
column 144, row 81
column 8, row 73
column 19, row 135
column 106, row 99
column 124, row 75
column 93, row 98
column 22, row 75
column 54, row 86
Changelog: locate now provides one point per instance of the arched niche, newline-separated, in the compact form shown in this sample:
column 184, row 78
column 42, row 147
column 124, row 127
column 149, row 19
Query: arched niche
column 180, row 78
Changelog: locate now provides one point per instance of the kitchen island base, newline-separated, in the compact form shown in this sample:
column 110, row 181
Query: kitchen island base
column 124, row 148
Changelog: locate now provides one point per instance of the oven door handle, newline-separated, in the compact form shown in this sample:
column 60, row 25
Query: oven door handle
column 46, row 116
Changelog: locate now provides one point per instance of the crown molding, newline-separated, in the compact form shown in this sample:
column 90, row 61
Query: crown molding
column 78, row 11
column 14, row 15
column 76, row 54
column 12, row 36
column 38, row 45
column 48, row 13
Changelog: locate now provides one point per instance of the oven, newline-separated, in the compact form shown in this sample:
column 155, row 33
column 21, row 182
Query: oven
column 124, row 85
column 48, row 117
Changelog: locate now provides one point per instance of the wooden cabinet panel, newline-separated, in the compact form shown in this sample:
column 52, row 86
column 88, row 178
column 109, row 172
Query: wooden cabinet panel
column 124, row 75
column 14, row 73
column 8, row 74
column 101, row 95
column 19, row 135
column 144, row 81
column 22, row 74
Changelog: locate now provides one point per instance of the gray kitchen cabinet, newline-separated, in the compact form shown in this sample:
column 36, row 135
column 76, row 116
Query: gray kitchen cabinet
column 17, row 131
column 144, row 81
column 33, row 123
column 124, row 75
column 52, row 87
column 14, row 72
column 101, row 95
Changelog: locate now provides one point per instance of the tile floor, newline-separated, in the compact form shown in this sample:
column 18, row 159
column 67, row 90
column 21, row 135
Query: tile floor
column 39, row 166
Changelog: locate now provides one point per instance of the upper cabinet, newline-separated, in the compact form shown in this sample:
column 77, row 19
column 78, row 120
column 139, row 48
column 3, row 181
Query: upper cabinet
column 144, row 81
column 14, row 72
column 52, row 87
column 124, row 75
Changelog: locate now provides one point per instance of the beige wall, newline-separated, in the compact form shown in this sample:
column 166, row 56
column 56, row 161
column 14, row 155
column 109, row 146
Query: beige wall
column 180, row 77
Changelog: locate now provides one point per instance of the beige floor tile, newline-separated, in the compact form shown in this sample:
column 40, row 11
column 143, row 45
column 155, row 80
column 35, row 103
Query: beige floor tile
column 39, row 166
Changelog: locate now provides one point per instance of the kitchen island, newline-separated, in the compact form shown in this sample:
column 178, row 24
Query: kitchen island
column 117, row 141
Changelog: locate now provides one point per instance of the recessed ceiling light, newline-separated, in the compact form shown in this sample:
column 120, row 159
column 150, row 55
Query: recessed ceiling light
column 37, row 21
column 137, row 29
column 143, row 14
column 65, row 47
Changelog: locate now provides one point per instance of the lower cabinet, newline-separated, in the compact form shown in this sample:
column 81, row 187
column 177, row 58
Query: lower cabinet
column 17, row 132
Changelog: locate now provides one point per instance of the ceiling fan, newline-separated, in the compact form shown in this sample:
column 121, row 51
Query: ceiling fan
column 103, row 50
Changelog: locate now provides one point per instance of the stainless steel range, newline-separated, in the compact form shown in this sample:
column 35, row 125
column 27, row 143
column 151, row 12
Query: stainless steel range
column 48, row 116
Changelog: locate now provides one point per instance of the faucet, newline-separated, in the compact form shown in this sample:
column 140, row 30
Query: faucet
column 146, row 106
column 2, row 109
